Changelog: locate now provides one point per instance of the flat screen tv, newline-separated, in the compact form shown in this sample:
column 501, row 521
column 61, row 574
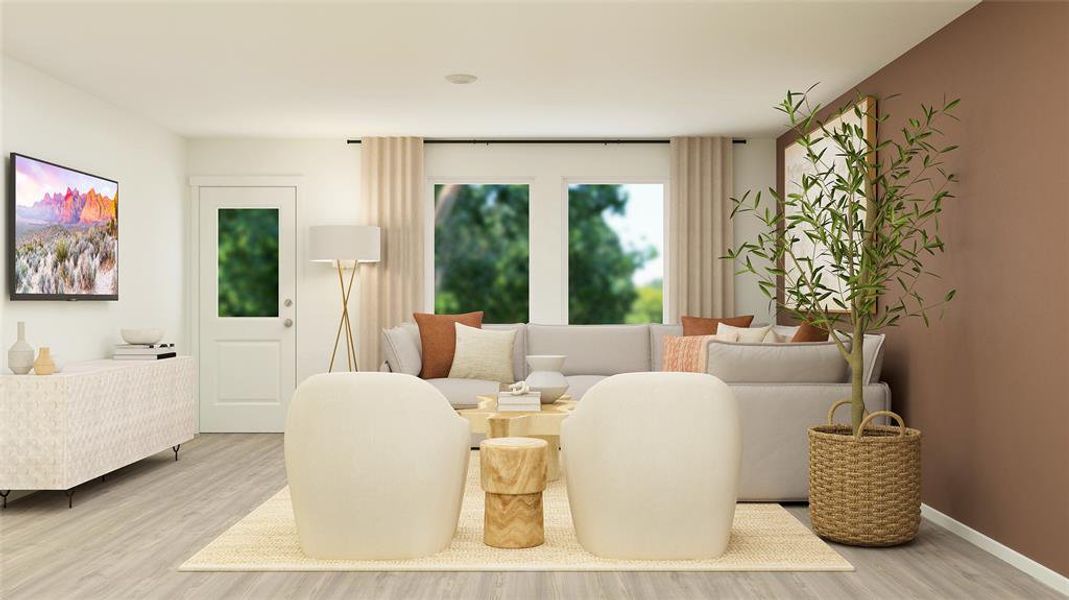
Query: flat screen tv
column 63, row 233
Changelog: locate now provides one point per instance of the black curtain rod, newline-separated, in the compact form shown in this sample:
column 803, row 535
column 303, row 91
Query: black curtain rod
column 547, row 141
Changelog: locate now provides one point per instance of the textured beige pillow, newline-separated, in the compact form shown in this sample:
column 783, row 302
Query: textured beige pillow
column 483, row 354
column 748, row 335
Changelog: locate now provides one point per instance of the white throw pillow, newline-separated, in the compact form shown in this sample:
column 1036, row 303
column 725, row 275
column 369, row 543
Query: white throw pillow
column 748, row 335
column 483, row 354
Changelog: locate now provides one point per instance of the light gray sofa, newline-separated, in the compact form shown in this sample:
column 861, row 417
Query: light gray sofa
column 781, row 388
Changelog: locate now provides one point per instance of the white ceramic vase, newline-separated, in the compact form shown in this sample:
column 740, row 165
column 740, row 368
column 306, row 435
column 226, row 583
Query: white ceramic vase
column 20, row 355
column 546, row 377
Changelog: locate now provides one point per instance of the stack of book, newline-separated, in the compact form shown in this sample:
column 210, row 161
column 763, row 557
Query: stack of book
column 144, row 351
column 529, row 402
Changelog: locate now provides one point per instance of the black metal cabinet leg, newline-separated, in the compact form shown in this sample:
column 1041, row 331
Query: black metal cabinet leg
column 175, row 448
column 3, row 494
column 70, row 498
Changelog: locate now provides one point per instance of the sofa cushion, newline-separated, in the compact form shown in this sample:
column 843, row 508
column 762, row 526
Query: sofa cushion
column 761, row 334
column 873, row 351
column 519, row 349
column 807, row 332
column 461, row 393
column 400, row 349
column 657, row 334
column 483, row 354
column 708, row 325
column 438, row 340
column 776, row 363
column 594, row 349
column 579, row 384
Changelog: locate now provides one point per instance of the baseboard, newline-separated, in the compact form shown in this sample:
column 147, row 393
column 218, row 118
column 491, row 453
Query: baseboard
column 1045, row 575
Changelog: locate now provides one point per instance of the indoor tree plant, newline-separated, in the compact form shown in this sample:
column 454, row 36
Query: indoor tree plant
column 845, row 250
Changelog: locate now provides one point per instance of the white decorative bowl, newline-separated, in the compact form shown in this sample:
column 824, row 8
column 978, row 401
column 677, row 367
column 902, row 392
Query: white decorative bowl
column 142, row 336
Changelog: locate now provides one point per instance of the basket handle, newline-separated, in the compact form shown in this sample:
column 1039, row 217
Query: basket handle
column 882, row 413
column 835, row 407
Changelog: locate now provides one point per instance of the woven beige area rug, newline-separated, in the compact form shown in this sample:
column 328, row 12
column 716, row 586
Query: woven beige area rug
column 764, row 537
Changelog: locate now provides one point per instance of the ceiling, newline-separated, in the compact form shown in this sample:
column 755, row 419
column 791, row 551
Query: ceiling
column 545, row 70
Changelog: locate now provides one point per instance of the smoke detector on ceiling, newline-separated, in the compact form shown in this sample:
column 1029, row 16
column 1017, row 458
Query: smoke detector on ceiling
column 461, row 78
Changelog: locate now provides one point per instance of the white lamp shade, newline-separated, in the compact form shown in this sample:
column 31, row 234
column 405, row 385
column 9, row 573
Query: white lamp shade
column 360, row 243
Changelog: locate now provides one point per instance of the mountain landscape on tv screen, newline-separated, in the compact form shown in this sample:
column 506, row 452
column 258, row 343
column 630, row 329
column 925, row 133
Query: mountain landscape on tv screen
column 70, row 208
column 66, row 240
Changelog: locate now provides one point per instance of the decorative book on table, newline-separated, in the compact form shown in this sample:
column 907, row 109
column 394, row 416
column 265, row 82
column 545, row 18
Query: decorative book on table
column 529, row 402
column 144, row 351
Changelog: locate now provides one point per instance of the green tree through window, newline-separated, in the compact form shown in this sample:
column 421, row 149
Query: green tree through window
column 614, row 266
column 481, row 251
column 248, row 262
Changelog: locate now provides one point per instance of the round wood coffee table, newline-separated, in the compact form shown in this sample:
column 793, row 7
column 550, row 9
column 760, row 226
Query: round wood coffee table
column 513, row 474
column 544, row 424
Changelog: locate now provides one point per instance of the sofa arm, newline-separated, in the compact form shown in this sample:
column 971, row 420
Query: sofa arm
column 774, row 419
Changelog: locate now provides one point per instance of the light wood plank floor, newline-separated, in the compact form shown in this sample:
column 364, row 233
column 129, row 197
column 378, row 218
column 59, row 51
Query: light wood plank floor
column 126, row 537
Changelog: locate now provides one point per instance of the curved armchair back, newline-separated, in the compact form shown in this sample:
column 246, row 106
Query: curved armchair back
column 376, row 464
column 651, row 462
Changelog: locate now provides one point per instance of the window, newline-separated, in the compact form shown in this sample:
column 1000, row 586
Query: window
column 481, row 250
column 615, row 253
column 248, row 262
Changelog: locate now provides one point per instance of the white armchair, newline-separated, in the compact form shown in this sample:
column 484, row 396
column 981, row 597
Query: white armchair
column 651, row 462
column 376, row 464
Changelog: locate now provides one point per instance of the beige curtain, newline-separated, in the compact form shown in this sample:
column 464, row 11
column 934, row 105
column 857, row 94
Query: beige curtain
column 391, row 175
column 699, row 229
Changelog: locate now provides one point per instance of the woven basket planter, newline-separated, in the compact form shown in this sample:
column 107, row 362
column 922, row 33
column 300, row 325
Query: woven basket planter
column 865, row 490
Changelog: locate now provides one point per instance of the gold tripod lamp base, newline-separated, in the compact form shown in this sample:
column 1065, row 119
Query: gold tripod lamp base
column 344, row 325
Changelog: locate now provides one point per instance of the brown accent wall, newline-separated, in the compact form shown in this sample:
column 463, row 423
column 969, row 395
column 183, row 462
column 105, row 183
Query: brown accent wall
column 989, row 384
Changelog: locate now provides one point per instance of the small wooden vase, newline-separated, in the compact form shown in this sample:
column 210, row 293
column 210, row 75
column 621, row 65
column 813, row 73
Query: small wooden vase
column 44, row 364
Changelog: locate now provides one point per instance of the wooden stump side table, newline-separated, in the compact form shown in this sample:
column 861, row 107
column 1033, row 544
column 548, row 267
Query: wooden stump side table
column 513, row 473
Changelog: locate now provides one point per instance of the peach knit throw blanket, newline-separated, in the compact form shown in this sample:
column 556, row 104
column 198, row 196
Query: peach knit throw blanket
column 686, row 353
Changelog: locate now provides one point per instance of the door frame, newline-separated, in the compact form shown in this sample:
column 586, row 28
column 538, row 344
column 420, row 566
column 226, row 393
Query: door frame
column 193, row 239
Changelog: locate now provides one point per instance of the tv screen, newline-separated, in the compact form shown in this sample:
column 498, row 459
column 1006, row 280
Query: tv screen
column 63, row 233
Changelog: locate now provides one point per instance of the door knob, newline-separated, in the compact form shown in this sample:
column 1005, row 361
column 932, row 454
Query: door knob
column 287, row 302
column 288, row 322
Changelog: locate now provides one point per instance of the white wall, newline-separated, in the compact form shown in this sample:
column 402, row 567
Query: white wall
column 755, row 169
column 328, row 195
column 48, row 119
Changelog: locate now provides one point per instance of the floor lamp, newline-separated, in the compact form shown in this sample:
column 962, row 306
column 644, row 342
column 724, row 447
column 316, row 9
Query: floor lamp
column 345, row 246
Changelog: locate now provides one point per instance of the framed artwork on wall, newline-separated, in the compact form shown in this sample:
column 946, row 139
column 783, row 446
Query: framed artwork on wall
column 858, row 118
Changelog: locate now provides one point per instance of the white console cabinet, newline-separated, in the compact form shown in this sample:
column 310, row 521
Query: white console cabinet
column 58, row 431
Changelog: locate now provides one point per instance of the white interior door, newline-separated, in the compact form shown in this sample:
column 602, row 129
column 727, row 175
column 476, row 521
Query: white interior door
column 247, row 338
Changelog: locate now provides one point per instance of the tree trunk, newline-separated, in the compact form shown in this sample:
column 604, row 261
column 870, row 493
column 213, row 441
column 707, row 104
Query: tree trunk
column 857, row 381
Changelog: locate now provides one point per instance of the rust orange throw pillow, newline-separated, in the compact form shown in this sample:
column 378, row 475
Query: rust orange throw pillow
column 707, row 326
column 686, row 354
column 808, row 332
column 438, row 337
